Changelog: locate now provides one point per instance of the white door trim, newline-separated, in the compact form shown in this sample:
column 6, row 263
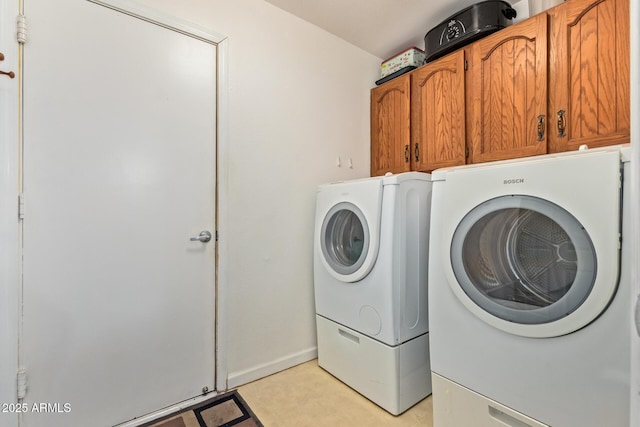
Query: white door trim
column 176, row 24
column 222, row 284
column 9, row 223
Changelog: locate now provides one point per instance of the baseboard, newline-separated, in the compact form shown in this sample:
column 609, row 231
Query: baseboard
column 237, row 379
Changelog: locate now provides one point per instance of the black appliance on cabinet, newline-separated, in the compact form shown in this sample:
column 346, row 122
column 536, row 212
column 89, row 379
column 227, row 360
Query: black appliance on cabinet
column 466, row 26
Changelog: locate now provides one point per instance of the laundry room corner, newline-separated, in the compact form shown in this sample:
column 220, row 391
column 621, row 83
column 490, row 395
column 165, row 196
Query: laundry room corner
column 197, row 195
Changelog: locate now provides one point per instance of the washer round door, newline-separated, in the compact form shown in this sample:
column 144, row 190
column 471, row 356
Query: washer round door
column 345, row 241
column 522, row 261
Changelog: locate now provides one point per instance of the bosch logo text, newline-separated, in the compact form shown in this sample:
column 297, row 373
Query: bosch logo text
column 514, row 181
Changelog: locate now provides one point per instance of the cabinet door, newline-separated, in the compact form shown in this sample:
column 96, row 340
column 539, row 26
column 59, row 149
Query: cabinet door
column 438, row 114
column 509, row 74
column 589, row 74
column 390, row 126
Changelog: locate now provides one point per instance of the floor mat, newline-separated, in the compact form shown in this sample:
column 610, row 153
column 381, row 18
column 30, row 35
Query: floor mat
column 225, row 410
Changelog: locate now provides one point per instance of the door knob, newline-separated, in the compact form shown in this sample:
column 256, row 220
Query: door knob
column 203, row 237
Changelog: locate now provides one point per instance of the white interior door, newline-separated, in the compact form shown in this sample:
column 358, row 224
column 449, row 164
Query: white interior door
column 119, row 173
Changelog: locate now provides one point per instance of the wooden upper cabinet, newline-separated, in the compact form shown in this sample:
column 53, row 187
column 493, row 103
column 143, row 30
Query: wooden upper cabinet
column 438, row 114
column 509, row 92
column 390, row 126
column 550, row 83
column 589, row 74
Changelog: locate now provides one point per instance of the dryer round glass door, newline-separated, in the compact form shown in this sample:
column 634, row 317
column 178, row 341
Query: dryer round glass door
column 523, row 259
column 345, row 238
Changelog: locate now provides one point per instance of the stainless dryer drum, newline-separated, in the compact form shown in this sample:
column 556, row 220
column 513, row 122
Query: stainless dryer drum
column 345, row 238
column 523, row 259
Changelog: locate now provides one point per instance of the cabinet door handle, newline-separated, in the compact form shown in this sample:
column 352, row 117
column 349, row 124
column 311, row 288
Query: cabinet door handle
column 562, row 123
column 416, row 152
column 541, row 127
column 406, row 153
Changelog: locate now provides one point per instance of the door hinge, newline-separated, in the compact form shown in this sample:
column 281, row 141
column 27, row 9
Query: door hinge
column 21, row 25
column 22, row 383
column 20, row 206
column 466, row 65
column 217, row 236
column 466, row 151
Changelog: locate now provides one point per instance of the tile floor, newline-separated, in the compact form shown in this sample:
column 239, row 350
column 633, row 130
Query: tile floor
column 306, row 395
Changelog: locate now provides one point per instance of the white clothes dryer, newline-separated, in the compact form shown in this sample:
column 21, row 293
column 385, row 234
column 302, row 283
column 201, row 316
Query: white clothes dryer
column 370, row 280
column 529, row 291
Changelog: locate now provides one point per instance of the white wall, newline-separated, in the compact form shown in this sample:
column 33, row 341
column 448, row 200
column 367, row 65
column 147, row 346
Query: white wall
column 8, row 210
column 298, row 99
column 522, row 10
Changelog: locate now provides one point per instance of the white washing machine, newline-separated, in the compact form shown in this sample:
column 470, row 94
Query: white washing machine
column 370, row 280
column 530, row 292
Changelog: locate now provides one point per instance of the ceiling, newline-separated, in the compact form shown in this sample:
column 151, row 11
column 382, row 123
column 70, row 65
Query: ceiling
column 380, row 27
